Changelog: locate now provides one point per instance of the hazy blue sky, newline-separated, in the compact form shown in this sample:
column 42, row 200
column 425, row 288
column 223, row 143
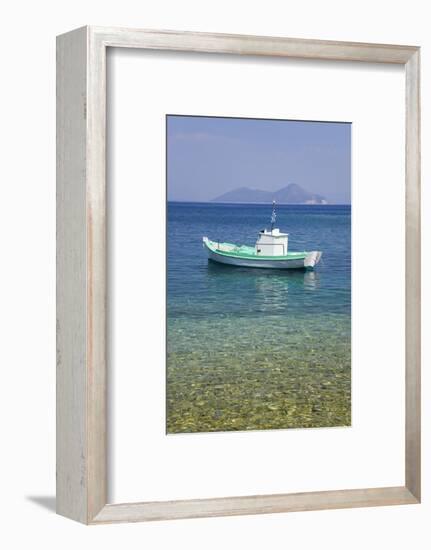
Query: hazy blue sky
column 210, row 156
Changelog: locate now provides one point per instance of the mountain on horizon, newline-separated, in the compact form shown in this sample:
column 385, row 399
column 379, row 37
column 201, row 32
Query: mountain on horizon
column 290, row 194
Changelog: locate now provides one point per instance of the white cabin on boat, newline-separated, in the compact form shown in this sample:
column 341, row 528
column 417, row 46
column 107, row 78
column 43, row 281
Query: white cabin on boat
column 272, row 243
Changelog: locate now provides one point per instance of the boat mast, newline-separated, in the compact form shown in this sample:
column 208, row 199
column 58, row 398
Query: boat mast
column 273, row 216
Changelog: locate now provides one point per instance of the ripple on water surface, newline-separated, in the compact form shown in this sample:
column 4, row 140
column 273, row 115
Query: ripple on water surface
column 254, row 349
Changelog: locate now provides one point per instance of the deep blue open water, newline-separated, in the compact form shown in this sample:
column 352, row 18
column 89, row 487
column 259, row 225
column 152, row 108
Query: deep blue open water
column 252, row 348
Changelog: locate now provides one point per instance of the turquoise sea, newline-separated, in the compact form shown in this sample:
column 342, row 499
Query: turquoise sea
column 250, row 348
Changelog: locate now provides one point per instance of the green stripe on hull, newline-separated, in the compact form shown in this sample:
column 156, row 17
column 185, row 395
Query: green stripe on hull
column 248, row 252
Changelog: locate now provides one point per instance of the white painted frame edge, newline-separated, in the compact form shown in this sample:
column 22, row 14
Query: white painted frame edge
column 81, row 274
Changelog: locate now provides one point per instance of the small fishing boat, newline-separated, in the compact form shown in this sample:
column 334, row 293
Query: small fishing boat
column 270, row 251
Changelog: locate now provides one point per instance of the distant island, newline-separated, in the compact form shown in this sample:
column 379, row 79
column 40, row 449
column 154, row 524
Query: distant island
column 291, row 194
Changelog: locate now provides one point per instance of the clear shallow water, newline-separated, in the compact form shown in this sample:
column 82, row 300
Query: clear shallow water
column 250, row 348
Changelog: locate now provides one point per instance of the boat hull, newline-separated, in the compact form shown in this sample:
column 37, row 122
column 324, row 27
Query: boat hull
column 307, row 262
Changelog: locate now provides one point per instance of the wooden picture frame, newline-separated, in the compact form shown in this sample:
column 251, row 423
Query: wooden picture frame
column 81, row 274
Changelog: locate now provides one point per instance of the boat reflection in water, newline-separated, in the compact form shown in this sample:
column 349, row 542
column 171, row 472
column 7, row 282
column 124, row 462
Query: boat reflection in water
column 261, row 290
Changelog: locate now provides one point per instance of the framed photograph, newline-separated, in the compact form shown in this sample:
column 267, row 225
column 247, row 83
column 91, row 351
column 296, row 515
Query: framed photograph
column 238, row 275
column 254, row 339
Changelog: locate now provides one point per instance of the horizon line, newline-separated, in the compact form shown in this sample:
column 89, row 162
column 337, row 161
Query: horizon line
column 261, row 203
